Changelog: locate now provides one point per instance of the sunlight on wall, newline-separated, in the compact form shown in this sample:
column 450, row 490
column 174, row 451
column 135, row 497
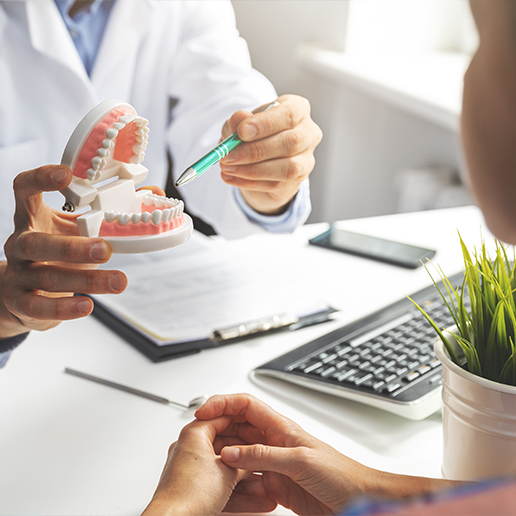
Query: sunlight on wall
column 409, row 26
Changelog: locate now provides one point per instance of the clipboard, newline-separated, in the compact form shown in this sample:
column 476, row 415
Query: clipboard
column 231, row 335
column 204, row 294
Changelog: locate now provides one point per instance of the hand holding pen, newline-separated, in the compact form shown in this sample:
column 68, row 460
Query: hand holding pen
column 276, row 153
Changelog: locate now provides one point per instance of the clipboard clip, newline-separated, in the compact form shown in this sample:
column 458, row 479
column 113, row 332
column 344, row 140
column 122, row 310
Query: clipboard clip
column 259, row 326
column 276, row 322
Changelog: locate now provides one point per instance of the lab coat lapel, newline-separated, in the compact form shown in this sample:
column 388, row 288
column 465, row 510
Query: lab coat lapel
column 114, row 68
column 49, row 36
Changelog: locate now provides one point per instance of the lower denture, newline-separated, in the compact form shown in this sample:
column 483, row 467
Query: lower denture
column 109, row 229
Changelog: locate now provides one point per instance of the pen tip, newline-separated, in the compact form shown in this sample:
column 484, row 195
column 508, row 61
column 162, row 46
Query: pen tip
column 187, row 176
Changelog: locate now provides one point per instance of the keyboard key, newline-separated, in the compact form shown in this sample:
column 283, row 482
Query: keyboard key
column 328, row 372
column 393, row 387
column 361, row 380
column 424, row 369
column 312, row 367
column 346, row 374
column 329, row 358
column 344, row 350
column 411, row 376
column 368, row 384
column 377, row 386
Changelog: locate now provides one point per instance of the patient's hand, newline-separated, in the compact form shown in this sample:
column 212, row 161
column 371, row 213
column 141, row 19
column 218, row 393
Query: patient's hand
column 298, row 471
column 195, row 481
column 47, row 260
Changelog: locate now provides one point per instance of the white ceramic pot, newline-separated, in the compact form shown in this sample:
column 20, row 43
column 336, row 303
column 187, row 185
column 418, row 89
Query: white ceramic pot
column 479, row 423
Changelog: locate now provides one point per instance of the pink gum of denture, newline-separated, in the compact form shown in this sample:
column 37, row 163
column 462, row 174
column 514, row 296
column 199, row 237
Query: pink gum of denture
column 123, row 147
column 109, row 229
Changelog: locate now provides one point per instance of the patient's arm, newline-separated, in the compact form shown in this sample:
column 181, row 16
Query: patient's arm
column 489, row 116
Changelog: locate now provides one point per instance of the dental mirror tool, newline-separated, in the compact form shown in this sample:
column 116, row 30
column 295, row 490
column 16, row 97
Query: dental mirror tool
column 194, row 404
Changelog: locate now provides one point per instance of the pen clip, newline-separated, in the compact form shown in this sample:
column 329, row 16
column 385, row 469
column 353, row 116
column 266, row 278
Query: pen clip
column 259, row 326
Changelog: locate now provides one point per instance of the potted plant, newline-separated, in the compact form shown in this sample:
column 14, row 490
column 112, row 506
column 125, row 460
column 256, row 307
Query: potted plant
column 478, row 357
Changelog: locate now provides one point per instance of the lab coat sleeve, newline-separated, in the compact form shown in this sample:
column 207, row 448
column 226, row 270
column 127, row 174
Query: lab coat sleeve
column 211, row 78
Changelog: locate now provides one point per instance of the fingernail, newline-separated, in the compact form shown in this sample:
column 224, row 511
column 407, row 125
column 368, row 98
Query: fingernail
column 117, row 281
column 249, row 132
column 99, row 251
column 84, row 306
column 231, row 454
column 232, row 156
column 59, row 175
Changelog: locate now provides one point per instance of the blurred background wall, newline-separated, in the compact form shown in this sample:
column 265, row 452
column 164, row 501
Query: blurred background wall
column 384, row 78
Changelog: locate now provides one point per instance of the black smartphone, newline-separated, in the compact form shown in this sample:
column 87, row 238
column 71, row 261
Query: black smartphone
column 375, row 248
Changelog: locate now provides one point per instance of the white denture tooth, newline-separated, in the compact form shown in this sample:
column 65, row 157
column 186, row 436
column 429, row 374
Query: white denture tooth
column 146, row 216
column 110, row 216
column 148, row 200
column 118, row 126
column 102, row 152
column 124, row 219
column 95, row 162
column 143, row 122
column 165, row 215
column 107, row 144
column 156, row 217
column 173, row 213
column 137, row 148
column 134, row 160
column 136, row 218
column 159, row 202
column 90, row 174
column 167, row 202
column 126, row 119
column 111, row 133
column 145, row 130
column 181, row 207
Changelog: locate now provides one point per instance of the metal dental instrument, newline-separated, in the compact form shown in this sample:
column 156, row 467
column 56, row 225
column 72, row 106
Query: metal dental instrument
column 195, row 403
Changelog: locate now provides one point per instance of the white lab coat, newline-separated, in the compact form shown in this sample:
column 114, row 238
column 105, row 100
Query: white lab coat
column 153, row 53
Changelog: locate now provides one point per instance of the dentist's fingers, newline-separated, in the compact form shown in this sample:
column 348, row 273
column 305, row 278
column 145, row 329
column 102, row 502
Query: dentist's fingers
column 39, row 312
column 43, row 179
column 286, row 143
column 42, row 247
column 252, row 126
column 54, row 278
column 28, row 187
column 281, row 169
column 154, row 189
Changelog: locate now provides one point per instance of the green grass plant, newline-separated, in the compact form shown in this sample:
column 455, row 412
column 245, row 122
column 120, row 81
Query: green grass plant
column 485, row 332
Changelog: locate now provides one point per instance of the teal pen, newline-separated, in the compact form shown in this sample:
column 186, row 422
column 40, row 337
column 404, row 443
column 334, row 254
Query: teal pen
column 214, row 156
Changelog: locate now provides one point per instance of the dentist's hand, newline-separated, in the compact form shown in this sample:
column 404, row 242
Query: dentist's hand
column 276, row 156
column 47, row 260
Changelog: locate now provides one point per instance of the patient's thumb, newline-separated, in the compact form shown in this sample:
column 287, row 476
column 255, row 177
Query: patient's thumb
column 259, row 457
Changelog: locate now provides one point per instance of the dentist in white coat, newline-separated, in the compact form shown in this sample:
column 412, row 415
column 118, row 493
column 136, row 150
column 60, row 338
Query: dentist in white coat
column 183, row 66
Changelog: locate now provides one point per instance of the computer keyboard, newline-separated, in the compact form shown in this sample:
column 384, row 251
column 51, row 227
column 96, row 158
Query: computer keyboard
column 385, row 359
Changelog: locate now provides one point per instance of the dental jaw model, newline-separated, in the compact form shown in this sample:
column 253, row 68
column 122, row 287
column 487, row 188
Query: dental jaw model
column 106, row 149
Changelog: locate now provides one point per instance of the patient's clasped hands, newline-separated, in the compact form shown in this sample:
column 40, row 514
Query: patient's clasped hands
column 239, row 455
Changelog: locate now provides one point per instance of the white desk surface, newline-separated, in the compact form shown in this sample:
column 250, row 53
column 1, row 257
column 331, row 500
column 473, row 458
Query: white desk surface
column 72, row 447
